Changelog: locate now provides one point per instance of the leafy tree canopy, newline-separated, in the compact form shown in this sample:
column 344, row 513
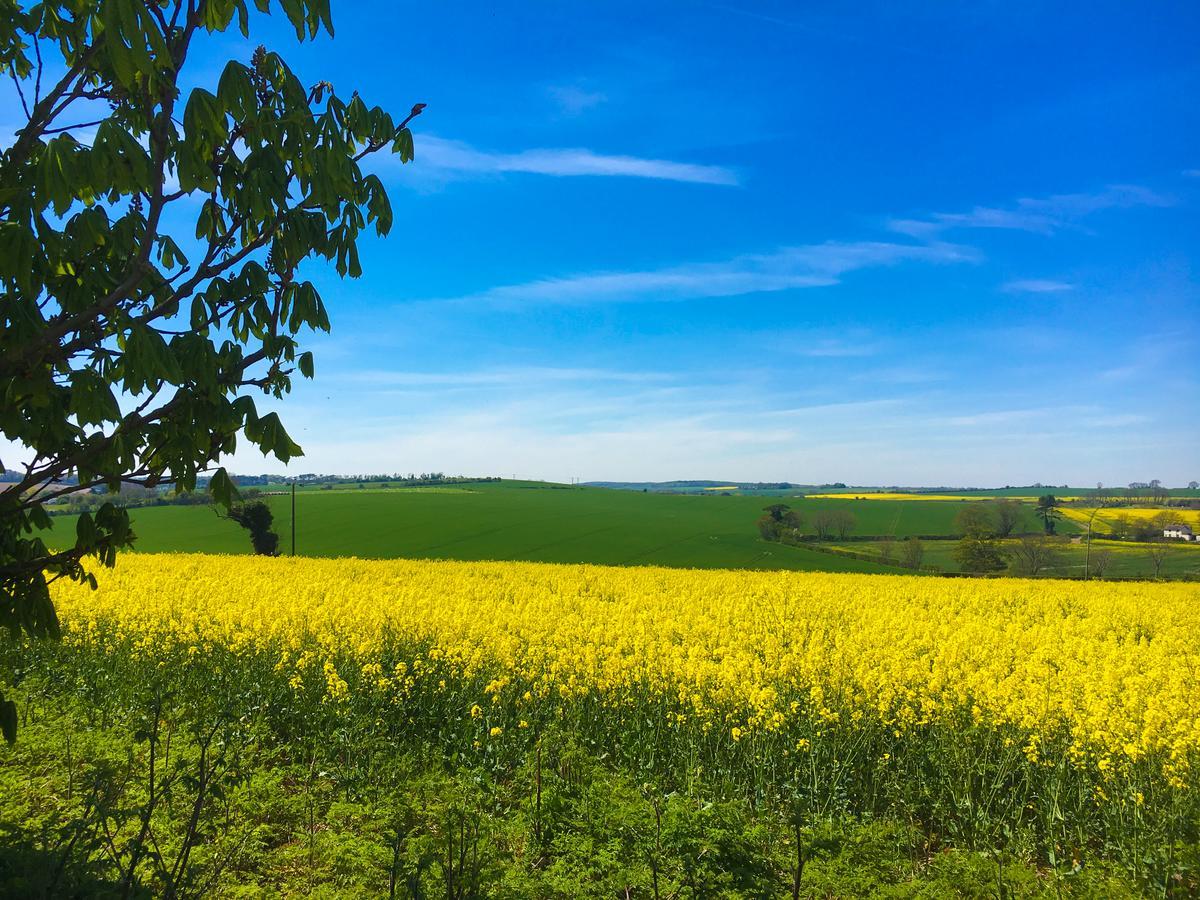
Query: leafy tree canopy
column 256, row 517
column 151, row 249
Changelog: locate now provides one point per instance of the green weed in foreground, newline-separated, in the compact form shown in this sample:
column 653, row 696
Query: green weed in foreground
column 211, row 776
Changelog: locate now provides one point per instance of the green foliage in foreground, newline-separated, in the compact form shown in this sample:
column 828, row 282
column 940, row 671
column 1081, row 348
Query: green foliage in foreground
column 152, row 237
column 256, row 819
column 237, row 773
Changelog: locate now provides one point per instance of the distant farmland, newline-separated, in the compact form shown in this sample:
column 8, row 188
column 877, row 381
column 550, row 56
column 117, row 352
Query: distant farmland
column 538, row 522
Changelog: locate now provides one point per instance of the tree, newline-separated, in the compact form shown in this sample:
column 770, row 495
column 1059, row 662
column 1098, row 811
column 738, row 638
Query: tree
column 1032, row 555
column 1121, row 527
column 974, row 521
column 793, row 522
column 844, row 521
column 1162, row 521
column 977, row 552
column 1193, row 485
column 1047, row 508
column 824, row 522
column 1007, row 514
column 1157, row 553
column 768, row 527
column 914, row 552
column 887, row 549
column 150, row 244
column 779, row 521
column 1158, row 493
column 256, row 517
column 776, row 511
column 1100, row 563
column 978, row 555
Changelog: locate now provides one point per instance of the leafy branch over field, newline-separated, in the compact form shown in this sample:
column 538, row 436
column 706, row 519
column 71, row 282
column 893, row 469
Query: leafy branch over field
column 151, row 245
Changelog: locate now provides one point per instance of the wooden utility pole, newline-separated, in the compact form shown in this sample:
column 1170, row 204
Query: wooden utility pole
column 293, row 518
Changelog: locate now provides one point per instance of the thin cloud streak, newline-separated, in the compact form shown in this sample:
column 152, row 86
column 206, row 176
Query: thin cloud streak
column 1039, row 215
column 815, row 265
column 500, row 377
column 460, row 157
column 573, row 99
column 1036, row 286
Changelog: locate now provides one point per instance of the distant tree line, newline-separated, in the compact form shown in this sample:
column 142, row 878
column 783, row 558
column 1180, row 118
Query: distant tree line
column 782, row 524
column 779, row 522
column 130, row 496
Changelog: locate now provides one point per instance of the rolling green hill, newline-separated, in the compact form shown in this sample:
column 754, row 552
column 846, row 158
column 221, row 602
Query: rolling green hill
column 534, row 521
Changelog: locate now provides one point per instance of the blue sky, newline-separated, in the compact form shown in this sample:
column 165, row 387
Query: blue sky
column 949, row 244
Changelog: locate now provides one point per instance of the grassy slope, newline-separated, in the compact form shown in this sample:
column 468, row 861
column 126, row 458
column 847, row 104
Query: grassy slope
column 539, row 523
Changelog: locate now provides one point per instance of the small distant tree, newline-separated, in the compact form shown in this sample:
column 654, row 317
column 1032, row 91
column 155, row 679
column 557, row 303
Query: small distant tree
column 975, row 521
column 1146, row 529
column 1032, row 555
column 1193, row 485
column 913, row 553
column 977, row 553
column 979, row 556
column 1162, row 522
column 1158, row 493
column 768, row 527
column 887, row 549
column 793, row 522
column 776, row 511
column 1100, row 562
column 1157, row 553
column 844, row 521
column 1121, row 527
column 823, row 523
column 1047, row 508
column 1007, row 514
column 256, row 517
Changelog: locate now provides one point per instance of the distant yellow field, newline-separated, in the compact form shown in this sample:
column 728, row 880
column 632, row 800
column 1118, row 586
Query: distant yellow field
column 728, row 487
column 849, row 495
column 1107, row 516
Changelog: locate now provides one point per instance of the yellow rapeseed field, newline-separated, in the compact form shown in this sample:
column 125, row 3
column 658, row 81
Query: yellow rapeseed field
column 1107, row 516
column 851, row 495
column 1115, row 667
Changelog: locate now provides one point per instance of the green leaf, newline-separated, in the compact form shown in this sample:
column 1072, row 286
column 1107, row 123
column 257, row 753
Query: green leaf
column 403, row 144
column 305, row 362
column 222, row 488
column 151, row 358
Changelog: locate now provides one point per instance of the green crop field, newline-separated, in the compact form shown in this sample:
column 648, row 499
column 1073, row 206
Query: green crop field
column 537, row 522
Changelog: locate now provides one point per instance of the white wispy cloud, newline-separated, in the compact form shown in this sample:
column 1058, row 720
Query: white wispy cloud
column 453, row 156
column 505, row 377
column 1120, row 420
column 899, row 375
column 837, row 348
column 813, row 265
column 573, row 99
column 996, row 417
column 1191, row 173
column 1036, row 286
column 1041, row 215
